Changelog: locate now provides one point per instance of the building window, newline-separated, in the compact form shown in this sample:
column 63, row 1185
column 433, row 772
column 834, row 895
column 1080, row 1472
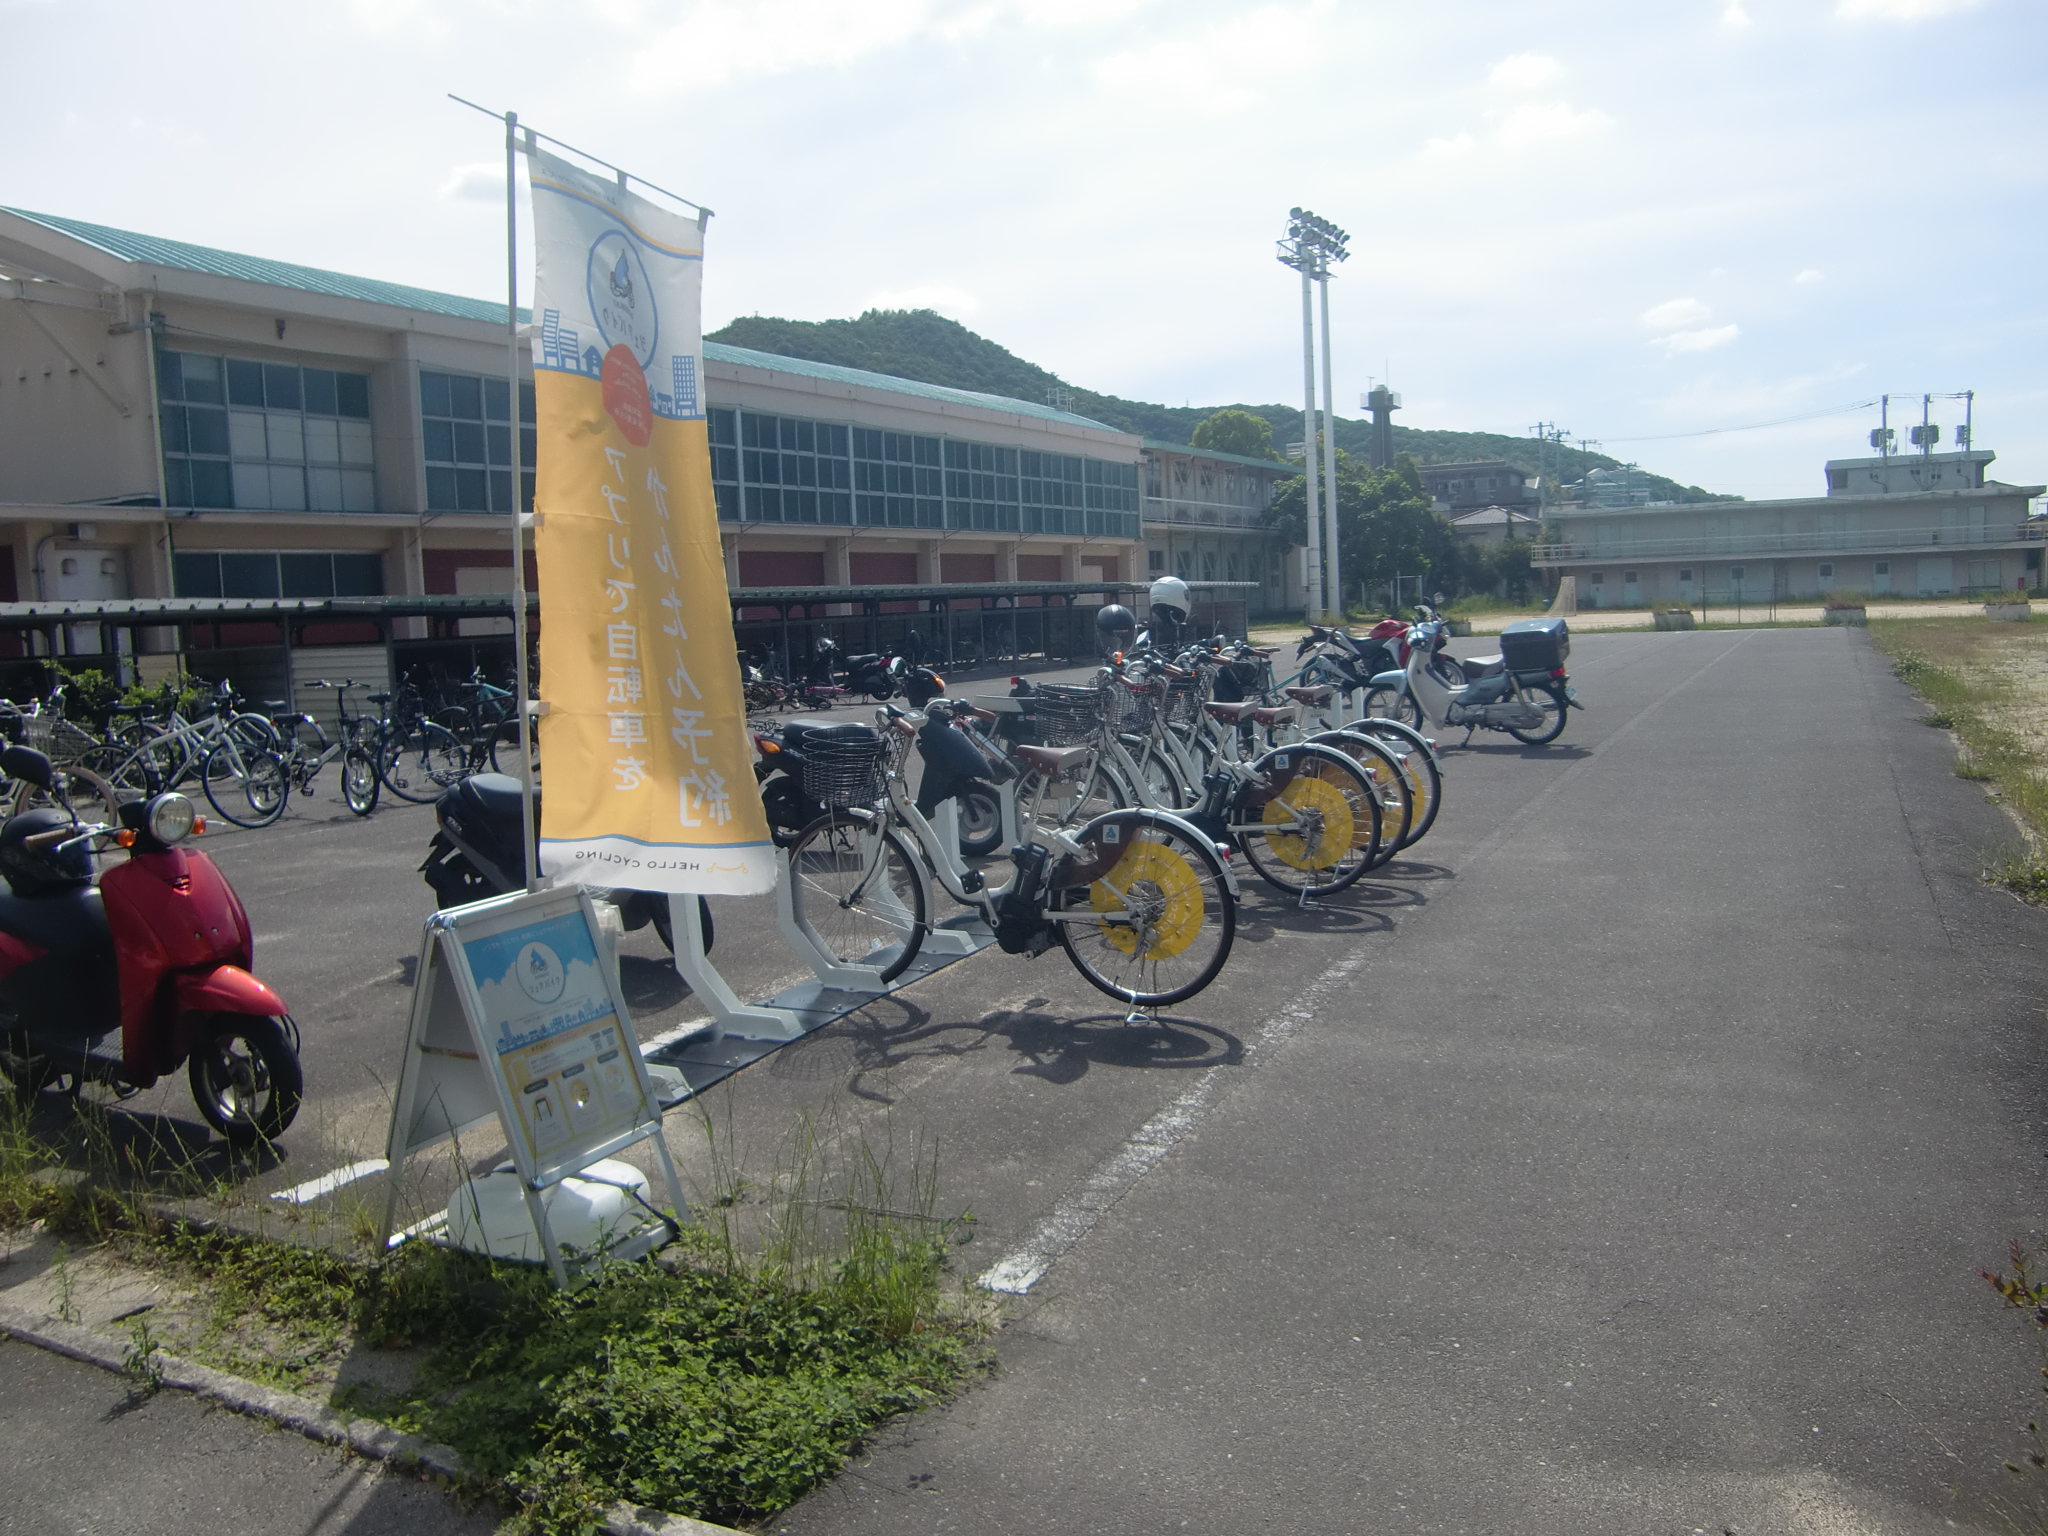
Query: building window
column 1052, row 487
column 1735, row 573
column 268, row 573
column 272, row 437
column 982, row 487
column 1827, row 571
column 466, row 424
column 1881, row 568
column 794, row 471
column 1596, row 578
column 1838, row 479
column 1155, row 559
column 1685, row 573
column 898, row 479
column 1629, row 577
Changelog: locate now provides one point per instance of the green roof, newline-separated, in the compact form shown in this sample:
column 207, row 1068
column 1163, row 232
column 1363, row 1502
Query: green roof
column 1280, row 466
column 835, row 374
column 152, row 250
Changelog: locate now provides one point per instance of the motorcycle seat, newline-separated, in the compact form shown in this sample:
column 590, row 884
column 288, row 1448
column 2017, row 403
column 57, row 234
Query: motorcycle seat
column 1053, row 761
column 1230, row 713
column 1315, row 696
column 1279, row 714
column 496, row 795
column 1484, row 666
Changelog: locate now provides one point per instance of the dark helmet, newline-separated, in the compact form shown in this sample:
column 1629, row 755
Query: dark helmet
column 31, row 872
column 1115, row 627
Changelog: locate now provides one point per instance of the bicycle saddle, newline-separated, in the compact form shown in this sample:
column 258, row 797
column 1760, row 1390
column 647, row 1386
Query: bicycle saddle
column 1320, row 693
column 380, row 698
column 1230, row 714
column 1053, row 760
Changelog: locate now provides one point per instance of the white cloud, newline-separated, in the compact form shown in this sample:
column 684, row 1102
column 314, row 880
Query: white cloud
column 1899, row 10
column 480, row 182
column 1548, row 122
column 1736, row 14
column 1674, row 314
column 1456, row 146
column 1806, row 277
column 1704, row 339
column 1525, row 71
column 947, row 301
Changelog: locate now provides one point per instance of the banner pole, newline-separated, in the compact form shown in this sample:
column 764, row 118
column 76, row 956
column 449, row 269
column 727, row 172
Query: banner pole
column 522, row 684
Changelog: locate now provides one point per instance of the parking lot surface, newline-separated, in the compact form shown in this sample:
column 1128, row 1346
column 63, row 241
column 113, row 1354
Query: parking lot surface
column 1619, row 1161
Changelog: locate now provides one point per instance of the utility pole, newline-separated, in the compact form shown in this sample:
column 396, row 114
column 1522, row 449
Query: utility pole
column 1312, row 245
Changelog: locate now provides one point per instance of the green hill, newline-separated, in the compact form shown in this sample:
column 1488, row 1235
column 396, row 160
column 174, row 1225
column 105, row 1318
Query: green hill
column 924, row 345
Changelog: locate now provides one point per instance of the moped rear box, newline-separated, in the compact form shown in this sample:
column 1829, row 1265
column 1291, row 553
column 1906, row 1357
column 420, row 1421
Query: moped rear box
column 1535, row 645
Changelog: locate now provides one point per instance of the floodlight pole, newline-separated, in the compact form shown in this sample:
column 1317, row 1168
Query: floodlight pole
column 1332, row 568
column 1314, row 519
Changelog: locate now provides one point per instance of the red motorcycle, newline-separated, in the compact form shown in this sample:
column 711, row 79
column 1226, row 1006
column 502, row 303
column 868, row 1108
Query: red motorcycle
column 122, row 982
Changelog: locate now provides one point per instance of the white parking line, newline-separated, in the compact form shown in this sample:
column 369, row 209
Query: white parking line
column 1073, row 1218
column 328, row 1183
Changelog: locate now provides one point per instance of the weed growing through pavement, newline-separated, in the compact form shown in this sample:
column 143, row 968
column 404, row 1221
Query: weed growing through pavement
column 722, row 1381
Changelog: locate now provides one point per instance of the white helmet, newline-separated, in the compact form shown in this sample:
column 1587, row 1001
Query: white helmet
column 1170, row 592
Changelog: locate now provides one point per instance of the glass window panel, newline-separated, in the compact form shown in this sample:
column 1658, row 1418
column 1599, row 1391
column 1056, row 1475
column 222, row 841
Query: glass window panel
column 358, row 575
column 210, row 486
column 320, row 392
column 177, row 483
column 753, row 426
column 323, row 489
column 356, row 443
column 807, row 436
column 526, row 439
column 196, row 575
column 499, row 441
column 281, row 386
column 208, row 431
column 170, row 375
column 526, row 404
column 440, row 490
column 248, row 576
column 352, row 395
column 497, row 400
column 305, row 575
column 433, row 394
column 358, row 490
column 471, row 492
column 526, row 490
column 469, row 442
column 202, row 379
column 501, row 490
column 245, row 382
column 723, row 428
column 465, row 397
column 245, row 435
column 287, row 434
column 323, row 442
column 252, row 485
column 287, row 488
column 439, row 437
column 725, row 464
column 173, row 423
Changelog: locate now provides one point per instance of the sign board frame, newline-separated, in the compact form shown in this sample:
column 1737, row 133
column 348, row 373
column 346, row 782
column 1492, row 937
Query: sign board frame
column 517, row 1017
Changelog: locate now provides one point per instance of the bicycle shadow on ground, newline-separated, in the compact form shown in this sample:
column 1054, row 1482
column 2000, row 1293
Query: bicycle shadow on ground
column 1261, row 920
column 1557, row 751
column 865, row 1047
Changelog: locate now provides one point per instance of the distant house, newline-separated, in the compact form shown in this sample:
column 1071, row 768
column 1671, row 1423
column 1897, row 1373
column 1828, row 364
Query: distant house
column 1496, row 525
column 1917, row 524
column 1477, row 483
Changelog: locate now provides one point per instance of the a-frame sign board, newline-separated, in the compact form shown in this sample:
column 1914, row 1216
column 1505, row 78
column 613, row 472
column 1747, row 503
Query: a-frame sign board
column 517, row 1017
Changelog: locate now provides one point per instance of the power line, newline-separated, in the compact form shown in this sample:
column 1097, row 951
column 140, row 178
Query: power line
column 1755, row 426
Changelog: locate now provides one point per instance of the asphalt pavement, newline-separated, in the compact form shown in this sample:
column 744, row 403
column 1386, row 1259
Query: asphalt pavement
column 1618, row 1162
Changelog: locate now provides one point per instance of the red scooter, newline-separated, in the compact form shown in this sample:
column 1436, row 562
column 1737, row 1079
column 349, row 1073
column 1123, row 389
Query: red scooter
column 122, row 982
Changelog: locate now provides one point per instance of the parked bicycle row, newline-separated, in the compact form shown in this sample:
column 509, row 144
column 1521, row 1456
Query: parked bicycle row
column 249, row 761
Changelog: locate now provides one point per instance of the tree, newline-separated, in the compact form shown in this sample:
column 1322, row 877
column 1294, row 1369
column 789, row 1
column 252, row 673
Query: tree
column 1385, row 528
column 1233, row 431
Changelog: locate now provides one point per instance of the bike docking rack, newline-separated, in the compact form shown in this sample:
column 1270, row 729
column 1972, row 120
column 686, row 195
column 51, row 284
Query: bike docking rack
column 738, row 1033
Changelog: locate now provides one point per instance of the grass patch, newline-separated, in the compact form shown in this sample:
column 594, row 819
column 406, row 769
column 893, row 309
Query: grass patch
column 723, row 1380
column 1986, row 682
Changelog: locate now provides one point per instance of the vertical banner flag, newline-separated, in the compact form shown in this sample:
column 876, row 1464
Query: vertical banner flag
column 650, row 781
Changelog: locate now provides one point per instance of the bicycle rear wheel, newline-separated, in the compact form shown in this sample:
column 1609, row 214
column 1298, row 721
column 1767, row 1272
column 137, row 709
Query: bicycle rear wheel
column 419, row 762
column 1309, row 821
column 1152, row 914
column 1061, row 803
column 856, row 885
column 359, row 782
column 1418, row 766
column 92, row 798
column 1377, row 761
column 248, row 788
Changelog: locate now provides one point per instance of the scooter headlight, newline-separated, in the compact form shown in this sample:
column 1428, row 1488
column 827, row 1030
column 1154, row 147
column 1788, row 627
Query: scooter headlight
column 171, row 819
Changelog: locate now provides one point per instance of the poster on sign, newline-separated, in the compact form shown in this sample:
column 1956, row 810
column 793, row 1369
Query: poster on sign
column 643, row 740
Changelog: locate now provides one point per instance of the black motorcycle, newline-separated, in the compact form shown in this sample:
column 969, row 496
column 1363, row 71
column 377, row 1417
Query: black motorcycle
column 867, row 673
column 477, row 852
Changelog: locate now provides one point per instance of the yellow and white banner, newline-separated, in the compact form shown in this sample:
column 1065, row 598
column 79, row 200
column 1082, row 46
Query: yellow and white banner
column 648, row 765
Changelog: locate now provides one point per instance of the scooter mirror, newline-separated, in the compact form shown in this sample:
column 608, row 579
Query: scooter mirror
column 28, row 765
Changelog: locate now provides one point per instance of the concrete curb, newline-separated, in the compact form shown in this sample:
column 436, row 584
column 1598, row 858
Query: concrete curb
column 365, row 1437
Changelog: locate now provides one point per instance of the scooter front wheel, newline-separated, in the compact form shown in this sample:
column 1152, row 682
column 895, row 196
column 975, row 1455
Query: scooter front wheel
column 1392, row 704
column 246, row 1078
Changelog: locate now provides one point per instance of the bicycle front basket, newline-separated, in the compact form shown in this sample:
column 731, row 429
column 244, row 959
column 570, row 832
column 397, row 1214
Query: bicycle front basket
column 846, row 770
column 1066, row 714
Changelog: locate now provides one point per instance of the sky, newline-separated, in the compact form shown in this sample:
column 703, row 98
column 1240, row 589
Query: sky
column 1645, row 223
